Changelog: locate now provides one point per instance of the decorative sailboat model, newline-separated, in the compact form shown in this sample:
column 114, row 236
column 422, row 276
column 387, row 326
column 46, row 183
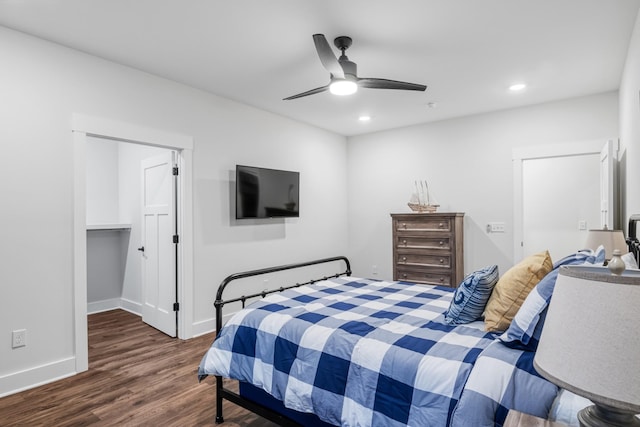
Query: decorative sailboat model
column 421, row 199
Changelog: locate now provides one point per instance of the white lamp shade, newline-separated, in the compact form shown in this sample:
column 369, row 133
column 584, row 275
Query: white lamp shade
column 343, row 87
column 610, row 239
column 590, row 343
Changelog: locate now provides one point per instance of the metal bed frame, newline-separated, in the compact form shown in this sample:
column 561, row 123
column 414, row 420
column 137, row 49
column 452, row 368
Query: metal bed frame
column 223, row 393
column 632, row 240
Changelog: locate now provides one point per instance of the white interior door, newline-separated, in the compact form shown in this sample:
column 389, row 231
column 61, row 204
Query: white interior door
column 158, row 247
column 556, row 197
column 560, row 203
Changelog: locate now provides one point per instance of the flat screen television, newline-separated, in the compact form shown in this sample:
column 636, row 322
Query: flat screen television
column 266, row 193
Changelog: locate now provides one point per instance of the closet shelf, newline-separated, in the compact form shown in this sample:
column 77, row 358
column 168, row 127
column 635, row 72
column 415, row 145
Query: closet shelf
column 123, row 227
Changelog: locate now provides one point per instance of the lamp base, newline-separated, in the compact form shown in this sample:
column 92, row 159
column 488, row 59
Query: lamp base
column 616, row 264
column 606, row 416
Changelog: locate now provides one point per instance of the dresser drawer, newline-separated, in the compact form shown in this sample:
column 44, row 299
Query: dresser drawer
column 423, row 242
column 419, row 259
column 428, row 276
column 423, row 224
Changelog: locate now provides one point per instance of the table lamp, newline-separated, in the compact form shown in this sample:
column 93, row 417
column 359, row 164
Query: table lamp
column 610, row 239
column 590, row 343
column 614, row 245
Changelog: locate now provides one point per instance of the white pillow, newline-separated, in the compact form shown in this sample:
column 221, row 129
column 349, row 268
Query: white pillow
column 629, row 261
column 566, row 406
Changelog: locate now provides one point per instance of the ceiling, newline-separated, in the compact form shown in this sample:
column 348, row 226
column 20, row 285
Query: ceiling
column 468, row 52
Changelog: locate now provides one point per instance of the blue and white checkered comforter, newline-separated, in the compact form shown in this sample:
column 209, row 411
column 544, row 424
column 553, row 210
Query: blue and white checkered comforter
column 355, row 352
column 502, row 379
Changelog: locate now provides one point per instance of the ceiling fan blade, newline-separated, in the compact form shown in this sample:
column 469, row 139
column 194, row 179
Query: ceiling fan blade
column 328, row 59
column 307, row 93
column 372, row 83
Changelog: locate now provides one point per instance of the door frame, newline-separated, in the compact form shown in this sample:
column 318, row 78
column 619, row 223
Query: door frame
column 83, row 126
column 519, row 155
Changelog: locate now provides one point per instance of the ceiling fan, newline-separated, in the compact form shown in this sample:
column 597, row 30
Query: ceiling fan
column 344, row 73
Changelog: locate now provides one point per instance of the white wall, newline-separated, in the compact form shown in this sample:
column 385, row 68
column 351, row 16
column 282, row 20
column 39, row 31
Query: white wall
column 468, row 163
column 630, row 127
column 106, row 249
column 43, row 84
column 106, row 264
column 102, row 181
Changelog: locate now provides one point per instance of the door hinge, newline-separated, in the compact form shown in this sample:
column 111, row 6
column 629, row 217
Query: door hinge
column 176, row 239
column 175, row 171
column 176, row 306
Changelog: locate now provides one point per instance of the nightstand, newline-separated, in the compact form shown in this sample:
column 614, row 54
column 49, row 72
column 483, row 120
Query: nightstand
column 518, row 419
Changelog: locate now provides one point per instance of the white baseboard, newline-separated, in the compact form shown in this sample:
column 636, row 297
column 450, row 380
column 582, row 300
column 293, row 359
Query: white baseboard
column 203, row 327
column 209, row 325
column 131, row 306
column 104, row 305
column 113, row 304
column 34, row 377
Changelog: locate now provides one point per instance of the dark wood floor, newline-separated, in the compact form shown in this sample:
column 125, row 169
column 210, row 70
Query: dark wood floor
column 137, row 377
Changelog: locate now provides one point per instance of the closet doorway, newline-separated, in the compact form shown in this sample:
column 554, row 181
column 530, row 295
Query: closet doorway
column 132, row 232
column 86, row 127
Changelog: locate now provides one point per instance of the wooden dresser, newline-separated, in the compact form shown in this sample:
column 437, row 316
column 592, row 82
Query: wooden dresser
column 427, row 248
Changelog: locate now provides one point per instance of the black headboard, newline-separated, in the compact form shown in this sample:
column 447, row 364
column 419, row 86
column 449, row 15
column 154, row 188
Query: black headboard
column 632, row 240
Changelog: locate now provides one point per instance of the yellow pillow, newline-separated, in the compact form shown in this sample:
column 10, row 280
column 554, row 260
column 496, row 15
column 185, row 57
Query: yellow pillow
column 512, row 289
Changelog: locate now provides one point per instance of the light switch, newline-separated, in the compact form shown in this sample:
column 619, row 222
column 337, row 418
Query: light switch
column 496, row 227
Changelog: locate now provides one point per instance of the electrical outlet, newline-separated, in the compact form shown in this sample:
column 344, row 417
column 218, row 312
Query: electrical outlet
column 582, row 224
column 19, row 338
column 374, row 270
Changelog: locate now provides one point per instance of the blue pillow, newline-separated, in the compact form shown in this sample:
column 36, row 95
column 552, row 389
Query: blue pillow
column 471, row 296
column 526, row 327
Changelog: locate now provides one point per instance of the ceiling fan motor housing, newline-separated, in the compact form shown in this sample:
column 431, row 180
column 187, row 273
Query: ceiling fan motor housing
column 342, row 42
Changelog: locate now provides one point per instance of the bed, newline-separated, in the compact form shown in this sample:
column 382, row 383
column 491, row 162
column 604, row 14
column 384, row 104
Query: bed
column 342, row 350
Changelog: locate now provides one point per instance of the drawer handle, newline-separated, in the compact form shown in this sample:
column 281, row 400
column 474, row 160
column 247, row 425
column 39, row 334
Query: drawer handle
column 441, row 261
column 441, row 225
column 404, row 276
column 442, row 280
column 404, row 242
column 404, row 225
column 404, row 259
column 441, row 243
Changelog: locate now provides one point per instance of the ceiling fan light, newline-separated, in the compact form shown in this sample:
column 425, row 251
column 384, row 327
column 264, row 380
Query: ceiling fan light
column 343, row 87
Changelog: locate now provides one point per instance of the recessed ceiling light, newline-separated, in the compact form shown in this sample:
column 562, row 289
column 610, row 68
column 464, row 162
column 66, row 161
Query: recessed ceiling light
column 517, row 87
column 364, row 118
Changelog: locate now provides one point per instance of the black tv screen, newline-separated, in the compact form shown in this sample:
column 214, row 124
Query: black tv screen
column 266, row 193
